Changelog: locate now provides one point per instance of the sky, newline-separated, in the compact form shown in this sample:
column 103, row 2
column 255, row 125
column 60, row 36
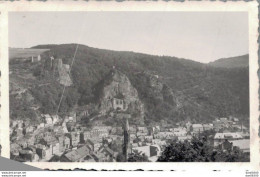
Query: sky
column 199, row 36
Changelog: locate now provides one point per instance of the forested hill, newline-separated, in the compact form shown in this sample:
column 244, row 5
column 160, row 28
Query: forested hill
column 233, row 62
column 171, row 89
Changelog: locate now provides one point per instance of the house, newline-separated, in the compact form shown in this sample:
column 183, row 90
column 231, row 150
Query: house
column 219, row 138
column 183, row 138
column 139, row 134
column 99, row 132
column 245, row 135
column 142, row 129
column 119, row 103
column 66, row 142
column 148, row 138
column 29, row 129
column 44, row 153
column 226, row 145
column 164, row 135
column 117, row 131
column 154, row 129
column 159, row 142
column 106, row 154
column 74, row 138
column 20, row 124
column 180, row 131
column 29, row 139
column 243, row 144
column 197, row 128
column 55, row 148
column 188, row 125
column 22, row 143
column 19, row 133
column 27, row 155
column 48, row 119
column 94, row 144
column 132, row 130
column 81, row 154
column 152, row 152
column 84, row 136
column 208, row 126
column 14, row 149
column 14, row 123
column 55, row 119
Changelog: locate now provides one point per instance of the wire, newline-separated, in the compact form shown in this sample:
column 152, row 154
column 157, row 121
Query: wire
column 72, row 62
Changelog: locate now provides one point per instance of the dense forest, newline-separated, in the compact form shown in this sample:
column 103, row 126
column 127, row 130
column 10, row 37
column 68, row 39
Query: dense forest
column 172, row 89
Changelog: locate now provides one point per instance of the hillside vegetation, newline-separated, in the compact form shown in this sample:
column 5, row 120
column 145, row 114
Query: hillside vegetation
column 170, row 88
column 233, row 62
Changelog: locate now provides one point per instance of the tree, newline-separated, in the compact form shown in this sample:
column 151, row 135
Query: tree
column 199, row 150
column 137, row 156
column 120, row 157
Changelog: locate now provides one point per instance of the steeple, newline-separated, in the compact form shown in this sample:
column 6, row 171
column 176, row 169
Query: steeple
column 126, row 139
column 125, row 118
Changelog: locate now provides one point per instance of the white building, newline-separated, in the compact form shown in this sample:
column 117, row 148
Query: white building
column 219, row 138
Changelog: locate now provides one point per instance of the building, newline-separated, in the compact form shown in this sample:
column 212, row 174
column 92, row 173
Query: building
column 243, row 144
column 142, row 129
column 29, row 129
column 159, row 142
column 188, row 125
column 81, row 154
column 197, row 128
column 106, row 154
column 117, row 131
column 208, row 127
column 219, row 138
column 44, row 152
column 27, row 155
column 180, row 131
column 47, row 119
column 94, row 144
column 164, row 135
column 221, row 123
column 119, row 103
column 84, row 136
column 183, row 138
column 152, row 152
column 74, row 138
column 55, row 119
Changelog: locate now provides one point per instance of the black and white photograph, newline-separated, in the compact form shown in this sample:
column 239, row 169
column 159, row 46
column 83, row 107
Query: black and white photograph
column 129, row 86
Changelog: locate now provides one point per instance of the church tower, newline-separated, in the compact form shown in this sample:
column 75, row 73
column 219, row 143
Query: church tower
column 126, row 139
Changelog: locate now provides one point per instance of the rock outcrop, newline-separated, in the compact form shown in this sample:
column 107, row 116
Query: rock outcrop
column 116, row 93
column 63, row 71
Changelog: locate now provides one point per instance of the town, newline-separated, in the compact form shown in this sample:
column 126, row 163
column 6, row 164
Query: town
column 58, row 139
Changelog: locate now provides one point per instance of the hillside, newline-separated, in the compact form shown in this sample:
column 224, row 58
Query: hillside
column 170, row 89
column 233, row 62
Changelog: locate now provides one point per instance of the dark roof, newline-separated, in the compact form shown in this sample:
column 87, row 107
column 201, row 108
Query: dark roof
column 78, row 154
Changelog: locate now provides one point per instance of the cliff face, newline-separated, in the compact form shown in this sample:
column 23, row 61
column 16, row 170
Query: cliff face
column 116, row 93
column 63, row 70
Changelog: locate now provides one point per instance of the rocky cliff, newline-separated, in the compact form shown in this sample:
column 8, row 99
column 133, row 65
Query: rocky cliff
column 116, row 93
column 63, row 70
